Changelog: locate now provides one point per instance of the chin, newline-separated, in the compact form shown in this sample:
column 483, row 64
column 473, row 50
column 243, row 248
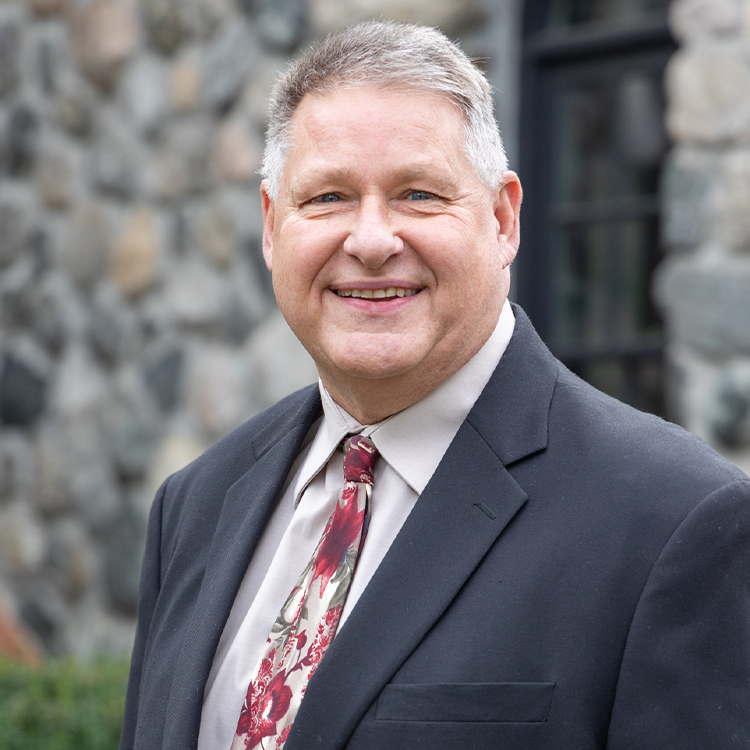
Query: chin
column 372, row 370
column 375, row 359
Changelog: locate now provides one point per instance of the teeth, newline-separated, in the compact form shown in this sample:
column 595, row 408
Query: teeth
column 388, row 293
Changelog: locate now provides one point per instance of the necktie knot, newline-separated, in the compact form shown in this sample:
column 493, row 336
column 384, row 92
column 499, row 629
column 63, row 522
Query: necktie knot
column 359, row 459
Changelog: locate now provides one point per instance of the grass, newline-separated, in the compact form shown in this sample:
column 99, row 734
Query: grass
column 62, row 705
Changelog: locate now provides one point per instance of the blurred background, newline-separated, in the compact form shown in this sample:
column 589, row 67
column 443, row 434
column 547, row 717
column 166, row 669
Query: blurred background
column 137, row 321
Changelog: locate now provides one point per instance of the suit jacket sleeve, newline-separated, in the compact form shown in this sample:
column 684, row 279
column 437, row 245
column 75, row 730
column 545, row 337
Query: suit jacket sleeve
column 148, row 593
column 685, row 675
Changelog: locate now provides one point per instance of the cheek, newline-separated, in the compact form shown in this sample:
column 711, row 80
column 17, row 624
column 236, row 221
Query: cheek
column 302, row 253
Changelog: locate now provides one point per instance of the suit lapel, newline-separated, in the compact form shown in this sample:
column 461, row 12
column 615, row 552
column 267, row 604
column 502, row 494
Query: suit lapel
column 468, row 502
column 246, row 509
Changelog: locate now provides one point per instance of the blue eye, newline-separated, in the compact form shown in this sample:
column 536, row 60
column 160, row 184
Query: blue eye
column 420, row 195
column 328, row 198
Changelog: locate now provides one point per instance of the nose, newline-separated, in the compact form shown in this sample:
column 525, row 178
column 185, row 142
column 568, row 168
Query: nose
column 372, row 239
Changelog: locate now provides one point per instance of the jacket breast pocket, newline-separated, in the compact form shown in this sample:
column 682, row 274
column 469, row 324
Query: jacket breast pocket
column 525, row 702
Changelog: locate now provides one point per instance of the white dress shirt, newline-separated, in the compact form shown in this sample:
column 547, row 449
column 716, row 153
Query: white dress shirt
column 411, row 445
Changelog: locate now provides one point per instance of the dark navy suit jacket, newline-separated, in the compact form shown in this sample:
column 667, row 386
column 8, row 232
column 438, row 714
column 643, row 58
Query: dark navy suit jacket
column 575, row 576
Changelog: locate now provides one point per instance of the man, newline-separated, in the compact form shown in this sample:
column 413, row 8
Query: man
column 543, row 567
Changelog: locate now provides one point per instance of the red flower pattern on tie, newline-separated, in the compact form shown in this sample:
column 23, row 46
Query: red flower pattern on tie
column 310, row 616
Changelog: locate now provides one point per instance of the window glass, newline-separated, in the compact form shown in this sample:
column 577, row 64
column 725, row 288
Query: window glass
column 602, row 271
column 610, row 138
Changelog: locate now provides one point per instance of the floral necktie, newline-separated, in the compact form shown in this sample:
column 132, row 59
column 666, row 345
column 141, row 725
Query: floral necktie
column 308, row 620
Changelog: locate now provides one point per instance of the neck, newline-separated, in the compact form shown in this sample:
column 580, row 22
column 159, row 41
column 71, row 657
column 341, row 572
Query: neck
column 371, row 400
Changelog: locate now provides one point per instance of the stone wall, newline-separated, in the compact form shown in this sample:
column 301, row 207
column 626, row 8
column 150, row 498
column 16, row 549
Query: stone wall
column 137, row 323
column 704, row 286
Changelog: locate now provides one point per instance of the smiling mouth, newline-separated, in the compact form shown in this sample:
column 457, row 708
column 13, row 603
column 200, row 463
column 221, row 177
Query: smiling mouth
column 391, row 292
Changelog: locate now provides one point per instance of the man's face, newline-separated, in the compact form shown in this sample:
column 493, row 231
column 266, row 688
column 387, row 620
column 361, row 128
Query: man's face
column 389, row 257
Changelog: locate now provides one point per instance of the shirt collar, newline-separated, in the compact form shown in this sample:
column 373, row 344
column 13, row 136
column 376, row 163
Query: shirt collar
column 414, row 440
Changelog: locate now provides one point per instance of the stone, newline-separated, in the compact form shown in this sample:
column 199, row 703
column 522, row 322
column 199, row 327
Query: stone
column 706, row 304
column 185, row 83
column 203, row 18
column 3, row 139
column 733, row 215
column 217, row 235
column 226, row 64
column 694, row 19
column 81, row 389
column 194, row 295
column 103, row 35
column 183, row 163
column 43, row 612
column 15, row 284
column 115, row 332
column 23, row 544
column 52, row 58
column 240, row 316
column 45, row 8
column 55, row 176
column 73, row 559
column 155, row 319
column 97, row 498
column 16, row 466
column 91, row 630
column 689, row 198
column 176, row 451
column 278, row 363
column 730, row 420
column 133, row 440
column 163, row 23
column 451, row 16
column 258, row 88
column 134, row 260
column 10, row 47
column 57, row 314
column 248, row 292
column 281, row 24
column 74, row 473
column 22, row 141
column 115, row 159
column 217, row 390
column 84, row 244
column 132, row 425
column 253, row 247
column 236, row 154
column 122, row 559
column 15, row 226
column 53, row 493
column 707, row 88
column 23, row 389
column 144, row 91
column 75, row 106
column 163, row 373
column 16, row 643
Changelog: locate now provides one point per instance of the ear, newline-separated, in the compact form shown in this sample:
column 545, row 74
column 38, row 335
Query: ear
column 269, row 215
column 507, row 210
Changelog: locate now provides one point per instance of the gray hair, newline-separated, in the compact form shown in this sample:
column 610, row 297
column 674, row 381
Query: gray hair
column 388, row 53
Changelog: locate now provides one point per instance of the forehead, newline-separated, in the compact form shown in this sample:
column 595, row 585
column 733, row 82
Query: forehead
column 371, row 126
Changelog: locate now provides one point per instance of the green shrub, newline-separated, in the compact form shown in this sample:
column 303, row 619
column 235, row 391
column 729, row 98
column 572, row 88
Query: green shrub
column 62, row 705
